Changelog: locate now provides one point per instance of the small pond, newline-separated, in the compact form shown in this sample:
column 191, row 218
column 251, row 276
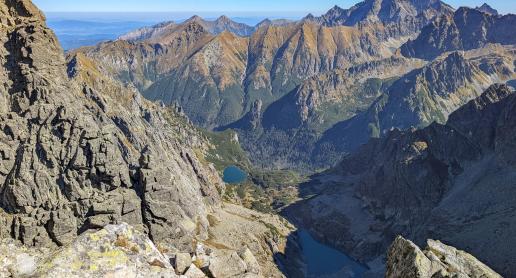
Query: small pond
column 234, row 175
column 324, row 261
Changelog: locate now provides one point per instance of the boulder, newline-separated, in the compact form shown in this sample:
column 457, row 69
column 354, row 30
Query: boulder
column 227, row 265
column 182, row 262
column 17, row 260
column 252, row 264
column 405, row 259
column 194, row 272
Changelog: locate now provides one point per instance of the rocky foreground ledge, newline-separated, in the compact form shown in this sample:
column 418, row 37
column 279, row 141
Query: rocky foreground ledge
column 121, row 251
column 438, row 260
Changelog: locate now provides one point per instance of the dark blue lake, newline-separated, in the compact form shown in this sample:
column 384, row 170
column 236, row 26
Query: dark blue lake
column 234, row 175
column 324, row 261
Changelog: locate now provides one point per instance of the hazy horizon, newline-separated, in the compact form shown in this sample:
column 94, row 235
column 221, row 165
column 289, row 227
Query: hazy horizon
column 230, row 7
column 155, row 17
column 74, row 28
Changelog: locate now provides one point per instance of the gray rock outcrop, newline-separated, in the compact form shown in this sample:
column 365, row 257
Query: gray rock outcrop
column 438, row 260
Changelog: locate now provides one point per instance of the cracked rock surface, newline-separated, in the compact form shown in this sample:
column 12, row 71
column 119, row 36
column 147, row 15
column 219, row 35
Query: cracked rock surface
column 79, row 151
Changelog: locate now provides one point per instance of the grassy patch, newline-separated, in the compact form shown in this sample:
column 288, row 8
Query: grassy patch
column 263, row 190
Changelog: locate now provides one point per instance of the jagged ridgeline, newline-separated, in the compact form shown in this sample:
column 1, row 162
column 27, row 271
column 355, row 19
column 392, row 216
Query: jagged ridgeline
column 79, row 151
column 303, row 93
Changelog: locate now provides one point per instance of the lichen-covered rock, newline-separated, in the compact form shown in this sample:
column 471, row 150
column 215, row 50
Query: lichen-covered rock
column 405, row 259
column 17, row 260
column 182, row 262
column 113, row 251
column 79, row 151
column 227, row 265
column 194, row 272
column 250, row 261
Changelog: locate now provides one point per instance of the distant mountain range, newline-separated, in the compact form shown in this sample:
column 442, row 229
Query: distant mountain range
column 221, row 71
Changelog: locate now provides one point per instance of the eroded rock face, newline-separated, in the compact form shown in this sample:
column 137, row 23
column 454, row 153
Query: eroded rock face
column 405, row 259
column 85, row 152
column 466, row 29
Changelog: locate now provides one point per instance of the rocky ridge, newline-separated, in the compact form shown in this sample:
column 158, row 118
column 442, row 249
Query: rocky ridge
column 396, row 19
column 215, row 27
column 466, row 29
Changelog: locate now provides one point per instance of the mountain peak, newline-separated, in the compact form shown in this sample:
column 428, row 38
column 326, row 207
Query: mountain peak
column 309, row 17
column 15, row 11
column 385, row 11
column 336, row 8
column 223, row 19
column 264, row 22
column 195, row 18
column 487, row 9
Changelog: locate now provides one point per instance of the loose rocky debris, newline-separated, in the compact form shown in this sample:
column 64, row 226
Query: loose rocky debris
column 122, row 251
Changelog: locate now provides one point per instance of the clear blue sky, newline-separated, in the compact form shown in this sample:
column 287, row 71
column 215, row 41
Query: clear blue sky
column 231, row 6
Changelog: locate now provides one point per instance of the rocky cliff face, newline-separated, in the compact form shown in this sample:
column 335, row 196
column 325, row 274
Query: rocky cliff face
column 84, row 152
column 465, row 30
column 453, row 182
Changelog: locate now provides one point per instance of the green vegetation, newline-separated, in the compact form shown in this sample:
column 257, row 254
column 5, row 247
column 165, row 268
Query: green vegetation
column 226, row 151
column 264, row 190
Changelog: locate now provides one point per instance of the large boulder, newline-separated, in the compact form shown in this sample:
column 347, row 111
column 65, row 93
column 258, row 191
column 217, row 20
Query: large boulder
column 405, row 259
column 227, row 265
column 182, row 262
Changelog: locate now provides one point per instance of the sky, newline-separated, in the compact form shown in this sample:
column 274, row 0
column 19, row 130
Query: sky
column 229, row 6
